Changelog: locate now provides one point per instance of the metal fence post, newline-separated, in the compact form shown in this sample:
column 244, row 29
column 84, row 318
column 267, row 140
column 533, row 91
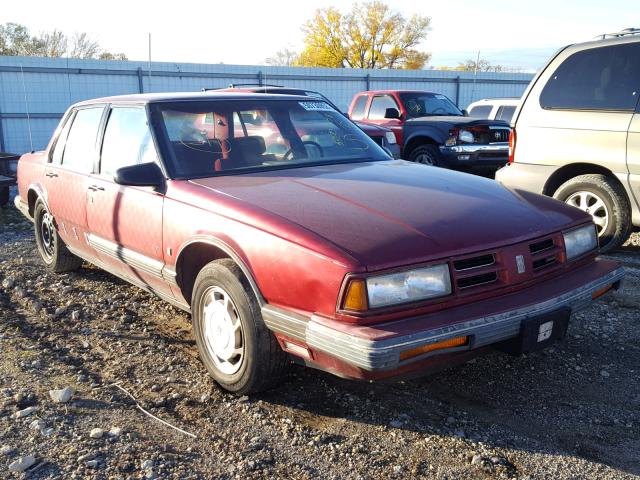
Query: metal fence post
column 458, row 91
column 367, row 81
column 260, row 78
column 1, row 133
column 140, row 84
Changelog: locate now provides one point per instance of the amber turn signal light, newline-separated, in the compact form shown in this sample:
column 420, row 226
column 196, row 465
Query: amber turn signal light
column 602, row 291
column 449, row 343
column 356, row 297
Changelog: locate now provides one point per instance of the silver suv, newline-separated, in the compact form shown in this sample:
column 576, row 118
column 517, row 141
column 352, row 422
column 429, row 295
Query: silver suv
column 576, row 135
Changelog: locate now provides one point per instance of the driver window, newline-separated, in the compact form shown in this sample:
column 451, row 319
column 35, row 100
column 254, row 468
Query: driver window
column 127, row 140
column 379, row 107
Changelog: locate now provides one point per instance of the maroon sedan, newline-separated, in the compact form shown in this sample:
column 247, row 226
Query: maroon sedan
column 290, row 235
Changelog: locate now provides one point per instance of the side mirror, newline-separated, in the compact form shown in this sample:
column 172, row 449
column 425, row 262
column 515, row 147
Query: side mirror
column 465, row 113
column 392, row 113
column 142, row 175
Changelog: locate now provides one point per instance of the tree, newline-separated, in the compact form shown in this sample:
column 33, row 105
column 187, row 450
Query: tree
column 482, row 65
column 283, row 58
column 16, row 40
column 371, row 35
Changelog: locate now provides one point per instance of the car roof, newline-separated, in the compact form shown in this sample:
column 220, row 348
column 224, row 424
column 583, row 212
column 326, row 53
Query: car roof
column 376, row 92
column 145, row 98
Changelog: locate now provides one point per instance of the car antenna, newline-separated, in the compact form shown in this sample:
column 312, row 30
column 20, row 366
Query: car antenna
column 26, row 107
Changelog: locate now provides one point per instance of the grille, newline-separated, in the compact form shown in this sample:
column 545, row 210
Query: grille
column 476, row 280
column 499, row 135
column 475, row 262
column 544, row 254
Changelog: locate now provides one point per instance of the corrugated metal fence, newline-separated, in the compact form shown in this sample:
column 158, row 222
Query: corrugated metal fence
column 35, row 92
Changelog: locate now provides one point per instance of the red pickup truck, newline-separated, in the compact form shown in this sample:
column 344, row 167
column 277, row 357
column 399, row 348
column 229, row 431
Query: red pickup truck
column 430, row 129
column 309, row 244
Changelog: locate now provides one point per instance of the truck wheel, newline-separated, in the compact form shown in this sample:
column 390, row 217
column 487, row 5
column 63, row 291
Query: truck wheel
column 427, row 155
column 4, row 196
column 606, row 201
column 236, row 347
column 52, row 249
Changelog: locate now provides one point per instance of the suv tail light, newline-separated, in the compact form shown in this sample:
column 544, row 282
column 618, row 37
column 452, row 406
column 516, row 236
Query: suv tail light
column 512, row 145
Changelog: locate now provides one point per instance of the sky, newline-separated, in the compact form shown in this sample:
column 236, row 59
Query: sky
column 512, row 33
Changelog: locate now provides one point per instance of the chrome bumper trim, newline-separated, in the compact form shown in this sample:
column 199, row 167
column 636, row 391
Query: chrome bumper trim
column 385, row 354
column 492, row 147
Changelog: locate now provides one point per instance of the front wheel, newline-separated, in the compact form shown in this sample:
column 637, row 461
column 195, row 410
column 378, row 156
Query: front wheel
column 606, row 201
column 236, row 347
column 427, row 155
column 52, row 249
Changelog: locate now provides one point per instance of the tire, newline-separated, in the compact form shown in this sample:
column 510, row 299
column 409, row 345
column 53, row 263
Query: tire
column 4, row 196
column 236, row 347
column 52, row 249
column 607, row 203
column 427, row 155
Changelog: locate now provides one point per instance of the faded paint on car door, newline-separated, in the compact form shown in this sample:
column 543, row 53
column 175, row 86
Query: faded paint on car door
column 125, row 222
column 66, row 175
column 633, row 161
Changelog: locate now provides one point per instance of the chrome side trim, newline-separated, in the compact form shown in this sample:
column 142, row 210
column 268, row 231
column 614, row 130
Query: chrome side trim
column 134, row 281
column 133, row 259
column 385, row 354
column 492, row 147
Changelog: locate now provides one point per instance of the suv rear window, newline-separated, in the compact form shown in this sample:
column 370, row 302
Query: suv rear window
column 604, row 78
column 505, row 113
column 481, row 112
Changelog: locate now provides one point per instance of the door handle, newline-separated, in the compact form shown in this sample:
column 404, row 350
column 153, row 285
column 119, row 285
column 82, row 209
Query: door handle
column 95, row 188
column 50, row 174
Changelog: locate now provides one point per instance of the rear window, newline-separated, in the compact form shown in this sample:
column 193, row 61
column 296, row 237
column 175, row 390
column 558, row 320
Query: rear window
column 379, row 106
column 358, row 108
column 605, row 78
column 80, row 147
column 505, row 113
column 482, row 111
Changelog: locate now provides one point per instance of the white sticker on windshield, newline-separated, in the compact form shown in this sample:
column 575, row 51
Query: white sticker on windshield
column 316, row 106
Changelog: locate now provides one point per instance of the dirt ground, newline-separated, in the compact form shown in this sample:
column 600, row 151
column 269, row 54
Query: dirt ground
column 570, row 412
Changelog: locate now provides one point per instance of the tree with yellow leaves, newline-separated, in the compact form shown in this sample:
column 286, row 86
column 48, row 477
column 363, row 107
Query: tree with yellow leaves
column 371, row 35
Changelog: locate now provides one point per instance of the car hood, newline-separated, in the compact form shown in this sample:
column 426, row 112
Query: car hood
column 393, row 213
column 371, row 129
column 455, row 120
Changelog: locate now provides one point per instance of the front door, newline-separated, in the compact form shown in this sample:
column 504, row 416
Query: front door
column 124, row 222
column 72, row 161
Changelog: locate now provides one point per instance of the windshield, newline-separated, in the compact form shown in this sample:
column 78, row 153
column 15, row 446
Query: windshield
column 418, row 104
column 233, row 136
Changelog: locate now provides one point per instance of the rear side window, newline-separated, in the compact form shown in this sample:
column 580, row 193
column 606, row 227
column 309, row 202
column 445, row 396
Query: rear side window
column 80, row 147
column 379, row 106
column 481, row 111
column 605, row 78
column 127, row 140
column 358, row 108
column 505, row 113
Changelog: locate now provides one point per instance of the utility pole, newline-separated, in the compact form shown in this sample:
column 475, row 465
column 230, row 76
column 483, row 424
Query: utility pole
column 475, row 76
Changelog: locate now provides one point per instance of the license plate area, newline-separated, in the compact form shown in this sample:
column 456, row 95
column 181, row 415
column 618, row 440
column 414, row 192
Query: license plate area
column 538, row 332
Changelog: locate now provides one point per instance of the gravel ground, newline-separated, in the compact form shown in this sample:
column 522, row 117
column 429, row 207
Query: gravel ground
column 570, row 412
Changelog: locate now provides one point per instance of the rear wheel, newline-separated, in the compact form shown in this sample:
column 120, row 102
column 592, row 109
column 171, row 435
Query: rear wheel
column 606, row 201
column 52, row 249
column 427, row 155
column 236, row 347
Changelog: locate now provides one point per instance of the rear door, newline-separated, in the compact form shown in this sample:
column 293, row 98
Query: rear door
column 124, row 222
column 71, row 162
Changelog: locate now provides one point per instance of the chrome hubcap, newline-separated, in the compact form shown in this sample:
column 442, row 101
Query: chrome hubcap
column 223, row 330
column 592, row 204
column 47, row 234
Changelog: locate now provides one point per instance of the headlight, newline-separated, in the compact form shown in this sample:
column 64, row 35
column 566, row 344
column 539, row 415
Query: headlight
column 409, row 286
column 579, row 241
column 466, row 136
column 391, row 137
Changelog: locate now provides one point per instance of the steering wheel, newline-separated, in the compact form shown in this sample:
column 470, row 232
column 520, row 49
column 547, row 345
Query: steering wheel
column 439, row 108
column 305, row 142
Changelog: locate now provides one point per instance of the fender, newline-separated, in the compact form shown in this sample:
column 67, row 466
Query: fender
column 227, row 249
column 41, row 194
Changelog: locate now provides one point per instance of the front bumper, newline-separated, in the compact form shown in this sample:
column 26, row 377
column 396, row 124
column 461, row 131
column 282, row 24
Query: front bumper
column 357, row 350
column 491, row 155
